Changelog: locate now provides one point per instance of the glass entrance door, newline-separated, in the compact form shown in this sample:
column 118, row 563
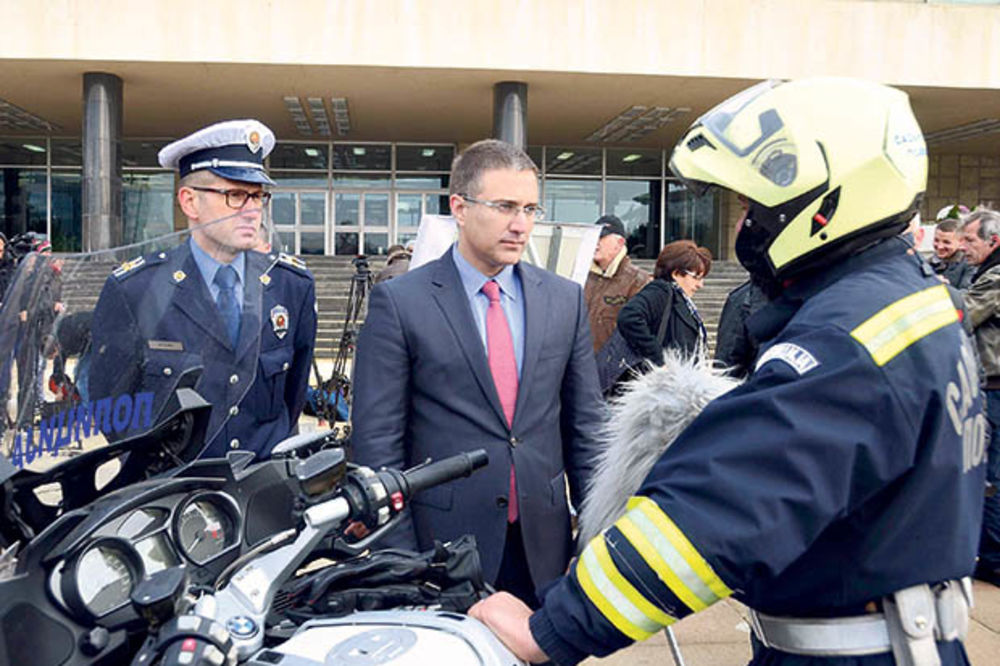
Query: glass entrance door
column 300, row 216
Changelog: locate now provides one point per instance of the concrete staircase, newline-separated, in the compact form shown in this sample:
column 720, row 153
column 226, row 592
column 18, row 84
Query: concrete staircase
column 333, row 280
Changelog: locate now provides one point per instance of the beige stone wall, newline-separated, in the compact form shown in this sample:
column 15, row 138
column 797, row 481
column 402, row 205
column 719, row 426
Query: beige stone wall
column 966, row 179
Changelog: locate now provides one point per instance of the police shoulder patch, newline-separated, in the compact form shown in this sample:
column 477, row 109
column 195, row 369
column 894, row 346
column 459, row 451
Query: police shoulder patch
column 800, row 360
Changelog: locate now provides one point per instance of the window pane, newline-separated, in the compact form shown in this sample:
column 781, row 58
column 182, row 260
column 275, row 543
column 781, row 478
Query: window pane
column 408, row 210
column 376, row 244
column 299, row 179
column 313, row 208
column 298, row 156
column 437, row 205
column 422, row 182
column 577, row 161
column 15, row 150
column 637, row 204
column 147, row 204
column 625, row 162
column 312, row 242
column 67, row 211
column 691, row 217
column 424, row 158
column 376, row 210
column 404, row 236
column 361, row 181
column 362, row 156
column 66, row 152
column 572, row 200
column 346, row 206
column 346, row 242
column 283, row 207
column 140, row 153
column 22, row 201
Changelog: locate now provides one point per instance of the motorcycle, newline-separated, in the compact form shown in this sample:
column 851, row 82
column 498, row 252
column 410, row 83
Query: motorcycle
column 120, row 541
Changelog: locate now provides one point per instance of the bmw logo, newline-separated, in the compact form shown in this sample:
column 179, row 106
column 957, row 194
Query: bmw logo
column 241, row 626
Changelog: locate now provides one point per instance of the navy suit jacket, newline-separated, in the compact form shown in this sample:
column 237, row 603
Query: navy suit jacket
column 156, row 320
column 423, row 389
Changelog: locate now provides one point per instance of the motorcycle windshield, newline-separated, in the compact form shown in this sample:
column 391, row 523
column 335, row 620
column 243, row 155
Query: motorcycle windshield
column 101, row 348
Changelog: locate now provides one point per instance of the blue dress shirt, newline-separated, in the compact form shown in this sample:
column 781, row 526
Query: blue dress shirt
column 511, row 300
column 208, row 266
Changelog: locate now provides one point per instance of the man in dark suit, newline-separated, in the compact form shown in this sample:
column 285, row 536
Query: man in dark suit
column 477, row 350
column 246, row 318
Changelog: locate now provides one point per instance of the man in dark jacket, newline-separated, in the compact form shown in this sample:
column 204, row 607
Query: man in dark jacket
column 735, row 348
column 612, row 281
column 948, row 260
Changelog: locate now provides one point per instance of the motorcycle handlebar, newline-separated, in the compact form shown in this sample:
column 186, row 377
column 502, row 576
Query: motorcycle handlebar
column 435, row 473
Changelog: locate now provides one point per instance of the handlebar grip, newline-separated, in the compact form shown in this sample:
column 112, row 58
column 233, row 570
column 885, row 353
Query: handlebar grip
column 441, row 471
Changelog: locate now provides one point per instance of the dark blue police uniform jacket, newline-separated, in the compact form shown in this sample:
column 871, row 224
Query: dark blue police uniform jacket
column 847, row 467
column 157, row 319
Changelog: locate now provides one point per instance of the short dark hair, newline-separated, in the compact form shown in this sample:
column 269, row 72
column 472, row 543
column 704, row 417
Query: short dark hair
column 989, row 222
column 682, row 255
column 948, row 226
column 482, row 156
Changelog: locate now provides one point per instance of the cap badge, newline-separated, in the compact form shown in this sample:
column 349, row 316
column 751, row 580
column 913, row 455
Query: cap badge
column 253, row 141
column 179, row 276
column 279, row 320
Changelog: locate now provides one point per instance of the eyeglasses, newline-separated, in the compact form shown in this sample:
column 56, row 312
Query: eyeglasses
column 236, row 198
column 509, row 208
column 696, row 276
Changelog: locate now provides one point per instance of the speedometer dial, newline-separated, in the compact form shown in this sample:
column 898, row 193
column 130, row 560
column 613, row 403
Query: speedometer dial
column 102, row 577
column 206, row 528
column 105, row 580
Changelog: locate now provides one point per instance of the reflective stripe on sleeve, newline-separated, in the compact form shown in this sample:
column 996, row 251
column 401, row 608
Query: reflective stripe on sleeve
column 897, row 326
column 694, row 578
column 610, row 599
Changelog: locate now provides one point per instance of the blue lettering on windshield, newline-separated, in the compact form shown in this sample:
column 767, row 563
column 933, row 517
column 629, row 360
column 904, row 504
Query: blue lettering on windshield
column 79, row 422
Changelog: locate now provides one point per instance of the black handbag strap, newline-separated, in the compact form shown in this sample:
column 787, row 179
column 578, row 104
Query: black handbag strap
column 667, row 311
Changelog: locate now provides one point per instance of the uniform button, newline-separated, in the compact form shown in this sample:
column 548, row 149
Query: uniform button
column 167, row 371
column 514, row 441
column 233, row 379
column 234, row 410
column 234, row 443
column 502, row 502
column 285, row 366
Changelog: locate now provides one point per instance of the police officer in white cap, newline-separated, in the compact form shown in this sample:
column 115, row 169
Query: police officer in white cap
column 247, row 319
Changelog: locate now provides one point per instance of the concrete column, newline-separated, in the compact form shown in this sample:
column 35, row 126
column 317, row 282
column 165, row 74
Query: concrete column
column 510, row 113
column 102, row 161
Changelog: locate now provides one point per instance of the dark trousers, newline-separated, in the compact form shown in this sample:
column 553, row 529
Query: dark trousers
column 989, row 540
column 514, row 575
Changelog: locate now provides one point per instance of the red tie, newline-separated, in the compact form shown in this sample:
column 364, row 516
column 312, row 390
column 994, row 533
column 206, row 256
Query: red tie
column 503, row 366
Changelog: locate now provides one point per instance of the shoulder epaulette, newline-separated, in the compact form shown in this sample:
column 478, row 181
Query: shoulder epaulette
column 292, row 261
column 133, row 265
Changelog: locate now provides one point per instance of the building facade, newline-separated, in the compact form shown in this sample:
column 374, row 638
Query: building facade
column 370, row 101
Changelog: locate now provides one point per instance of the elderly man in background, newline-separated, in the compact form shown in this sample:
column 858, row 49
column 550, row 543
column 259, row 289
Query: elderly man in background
column 612, row 281
column 980, row 238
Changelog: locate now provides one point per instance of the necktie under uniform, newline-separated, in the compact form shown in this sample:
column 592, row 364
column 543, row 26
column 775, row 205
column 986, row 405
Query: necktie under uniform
column 503, row 366
column 226, row 279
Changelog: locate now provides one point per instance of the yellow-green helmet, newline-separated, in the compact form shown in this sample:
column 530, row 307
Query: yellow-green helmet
column 828, row 166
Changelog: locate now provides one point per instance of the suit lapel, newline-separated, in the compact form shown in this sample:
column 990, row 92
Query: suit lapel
column 449, row 294
column 534, row 331
column 193, row 298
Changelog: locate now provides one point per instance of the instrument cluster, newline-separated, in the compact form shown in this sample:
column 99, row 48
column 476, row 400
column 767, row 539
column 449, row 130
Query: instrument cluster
column 196, row 530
